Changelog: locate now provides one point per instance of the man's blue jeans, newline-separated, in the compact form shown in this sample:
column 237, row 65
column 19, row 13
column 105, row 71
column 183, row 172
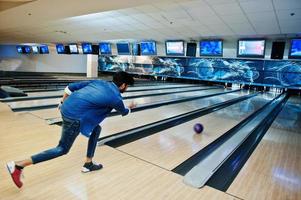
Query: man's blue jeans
column 70, row 130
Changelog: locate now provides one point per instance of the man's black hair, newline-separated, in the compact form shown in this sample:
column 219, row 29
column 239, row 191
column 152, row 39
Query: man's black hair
column 122, row 77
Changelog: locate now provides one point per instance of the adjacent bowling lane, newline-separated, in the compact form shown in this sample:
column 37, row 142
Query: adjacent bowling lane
column 160, row 86
column 172, row 146
column 290, row 118
column 61, row 92
column 44, row 102
column 54, row 113
column 193, row 87
column 274, row 169
column 45, row 93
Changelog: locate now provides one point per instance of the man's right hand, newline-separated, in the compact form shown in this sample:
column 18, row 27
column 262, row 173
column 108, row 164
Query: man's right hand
column 132, row 105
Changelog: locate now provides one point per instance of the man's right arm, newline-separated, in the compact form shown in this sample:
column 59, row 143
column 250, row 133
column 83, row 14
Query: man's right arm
column 119, row 107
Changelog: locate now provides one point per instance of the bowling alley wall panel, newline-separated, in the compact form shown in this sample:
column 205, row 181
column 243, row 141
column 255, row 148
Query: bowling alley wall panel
column 285, row 73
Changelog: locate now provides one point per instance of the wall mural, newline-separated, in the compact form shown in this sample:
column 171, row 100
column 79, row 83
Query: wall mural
column 258, row 72
column 285, row 73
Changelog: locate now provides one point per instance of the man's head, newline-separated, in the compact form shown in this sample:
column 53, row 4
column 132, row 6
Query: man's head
column 123, row 80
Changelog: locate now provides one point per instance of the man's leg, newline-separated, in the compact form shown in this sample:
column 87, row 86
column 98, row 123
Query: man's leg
column 70, row 131
column 89, row 165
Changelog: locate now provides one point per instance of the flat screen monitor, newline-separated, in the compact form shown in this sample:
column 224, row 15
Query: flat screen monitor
column 123, row 48
column 251, row 48
column 105, row 48
column 73, row 48
column 27, row 49
column 87, row 48
column 148, row 48
column 295, row 49
column 19, row 49
column 60, row 48
column 211, row 48
column 174, row 48
column 44, row 49
column 35, row 49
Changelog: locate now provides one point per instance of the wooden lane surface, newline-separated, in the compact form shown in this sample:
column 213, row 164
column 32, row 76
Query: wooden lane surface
column 118, row 123
column 274, row 169
column 172, row 146
column 123, row 176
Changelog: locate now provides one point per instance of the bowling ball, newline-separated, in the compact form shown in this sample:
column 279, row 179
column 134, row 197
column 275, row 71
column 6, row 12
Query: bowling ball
column 198, row 128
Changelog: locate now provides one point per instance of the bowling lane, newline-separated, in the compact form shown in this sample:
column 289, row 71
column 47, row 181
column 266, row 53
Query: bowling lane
column 128, row 94
column 152, row 115
column 172, row 146
column 274, row 169
column 159, row 86
column 54, row 113
column 290, row 118
column 142, row 100
column 46, row 93
column 61, row 92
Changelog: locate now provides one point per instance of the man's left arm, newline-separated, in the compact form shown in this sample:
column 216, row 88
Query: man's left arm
column 71, row 88
column 76, row 86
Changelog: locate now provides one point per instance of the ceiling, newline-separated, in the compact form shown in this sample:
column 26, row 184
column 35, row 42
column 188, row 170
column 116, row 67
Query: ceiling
column 50, row 21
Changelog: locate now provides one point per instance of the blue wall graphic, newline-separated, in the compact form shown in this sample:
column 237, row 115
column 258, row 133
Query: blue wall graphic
column 285, row 73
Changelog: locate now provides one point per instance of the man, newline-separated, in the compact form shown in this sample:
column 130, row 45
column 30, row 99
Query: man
column 83, row 106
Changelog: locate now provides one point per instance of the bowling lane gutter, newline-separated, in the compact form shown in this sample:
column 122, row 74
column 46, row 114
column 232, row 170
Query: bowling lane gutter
column 155, row 105
column 134, row 134
column 225, row 175
column 58, row 96
column 218, row 163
